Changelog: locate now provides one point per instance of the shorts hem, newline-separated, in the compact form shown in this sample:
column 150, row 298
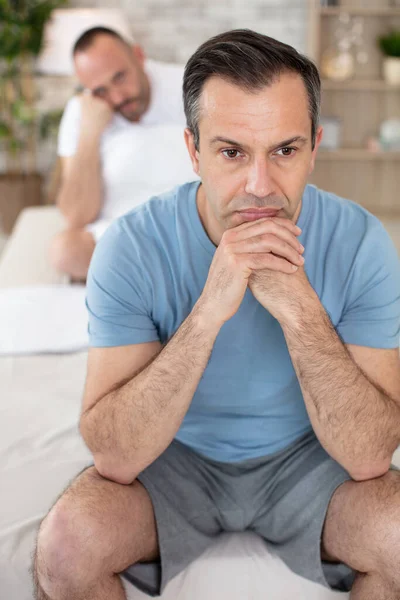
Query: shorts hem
column 162, row 564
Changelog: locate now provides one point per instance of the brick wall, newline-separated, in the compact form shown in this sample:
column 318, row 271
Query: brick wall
column 171, row 30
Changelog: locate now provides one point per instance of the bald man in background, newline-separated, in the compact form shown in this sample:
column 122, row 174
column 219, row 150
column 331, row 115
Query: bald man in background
column 120, row 142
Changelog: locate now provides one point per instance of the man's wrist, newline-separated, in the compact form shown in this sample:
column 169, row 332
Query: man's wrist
column 304, row 314
column 204, row 320
column 89, row 139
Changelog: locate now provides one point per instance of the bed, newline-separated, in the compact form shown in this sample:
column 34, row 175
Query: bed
column 41, row 452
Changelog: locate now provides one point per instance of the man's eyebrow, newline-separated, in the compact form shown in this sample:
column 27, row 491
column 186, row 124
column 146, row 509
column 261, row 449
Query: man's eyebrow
column 102, row 88
column 98, row 89
column 298, row 139
column 121, row 72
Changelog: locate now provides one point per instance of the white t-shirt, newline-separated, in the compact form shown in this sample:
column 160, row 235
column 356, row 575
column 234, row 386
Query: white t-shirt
column 141, row 159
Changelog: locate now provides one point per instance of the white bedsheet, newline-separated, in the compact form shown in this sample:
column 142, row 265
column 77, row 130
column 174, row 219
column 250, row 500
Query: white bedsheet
column 41, row 452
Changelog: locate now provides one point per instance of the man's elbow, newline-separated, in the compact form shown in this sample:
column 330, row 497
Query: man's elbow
column 75, row 218
column 114, row 470
column 372, row 470
column 77, row 221
column 108, row 466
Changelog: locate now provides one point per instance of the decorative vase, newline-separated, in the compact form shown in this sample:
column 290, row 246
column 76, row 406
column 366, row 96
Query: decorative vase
column 391, row 70
column 337, row 65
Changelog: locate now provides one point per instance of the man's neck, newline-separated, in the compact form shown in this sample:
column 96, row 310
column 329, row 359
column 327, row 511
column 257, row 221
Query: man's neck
column 207, row 219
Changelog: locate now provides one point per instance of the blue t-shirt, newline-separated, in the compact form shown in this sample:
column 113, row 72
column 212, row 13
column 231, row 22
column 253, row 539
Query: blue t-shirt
column 150, row 267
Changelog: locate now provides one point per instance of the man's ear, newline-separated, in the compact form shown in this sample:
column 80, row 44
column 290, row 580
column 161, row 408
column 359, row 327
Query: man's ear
column 139, row 54
column 318, row 139
column 193, row 153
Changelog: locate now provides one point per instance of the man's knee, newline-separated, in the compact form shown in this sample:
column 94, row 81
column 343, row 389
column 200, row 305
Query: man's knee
column 385, row 530
column 69, row 552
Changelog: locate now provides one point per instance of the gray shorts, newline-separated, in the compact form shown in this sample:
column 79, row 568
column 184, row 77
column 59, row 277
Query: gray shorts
column 283, row 498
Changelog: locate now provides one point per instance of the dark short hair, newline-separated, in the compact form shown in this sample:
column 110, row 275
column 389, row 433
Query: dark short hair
column 251, row 61
column 87, row 38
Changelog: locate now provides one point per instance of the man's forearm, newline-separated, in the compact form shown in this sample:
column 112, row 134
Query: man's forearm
column 80, row 195
column 131, row 426
column 357, row 423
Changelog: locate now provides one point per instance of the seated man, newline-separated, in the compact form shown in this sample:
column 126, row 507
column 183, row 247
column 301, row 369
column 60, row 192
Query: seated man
column 120, row 141
column 244, row 369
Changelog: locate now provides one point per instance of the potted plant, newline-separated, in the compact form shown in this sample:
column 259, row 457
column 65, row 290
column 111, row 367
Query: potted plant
column 22, row 25
column 390, row 46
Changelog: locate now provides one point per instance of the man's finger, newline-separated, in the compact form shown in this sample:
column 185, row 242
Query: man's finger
column 287, row 223
column 259, row 262
column 271, row 244
column 265, row 230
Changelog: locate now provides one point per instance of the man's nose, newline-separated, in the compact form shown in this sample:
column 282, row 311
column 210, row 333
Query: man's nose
column 259, row 179
column 116, row 97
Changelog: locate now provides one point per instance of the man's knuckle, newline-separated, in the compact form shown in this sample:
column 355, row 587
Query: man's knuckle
column 228, row 236
column 262, row 260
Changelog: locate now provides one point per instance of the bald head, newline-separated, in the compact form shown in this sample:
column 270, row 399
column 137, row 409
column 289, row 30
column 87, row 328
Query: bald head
column 89, row 36
column 113, row 70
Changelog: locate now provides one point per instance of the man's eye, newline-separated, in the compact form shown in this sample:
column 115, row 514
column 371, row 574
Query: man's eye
column 231, row 153
column 286, row 151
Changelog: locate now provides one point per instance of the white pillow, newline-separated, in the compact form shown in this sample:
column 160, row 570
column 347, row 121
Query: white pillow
column 51, row 318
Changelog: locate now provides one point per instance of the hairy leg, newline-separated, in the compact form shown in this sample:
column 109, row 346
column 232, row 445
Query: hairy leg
column 372, row 587
column 94, row 531
column 362, row 529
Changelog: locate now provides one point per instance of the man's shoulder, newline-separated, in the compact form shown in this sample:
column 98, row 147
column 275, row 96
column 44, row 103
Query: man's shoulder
column 340, row 213
column 347, row 233
column 69, row 127
column 72, row 108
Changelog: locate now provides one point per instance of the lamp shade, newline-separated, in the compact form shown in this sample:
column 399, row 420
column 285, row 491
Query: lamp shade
column 66, row 26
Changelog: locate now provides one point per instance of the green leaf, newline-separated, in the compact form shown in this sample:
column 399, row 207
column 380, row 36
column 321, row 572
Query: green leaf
column 15, row 145
column 5, row 130
column 24, row 113
column 22, row 25
column 390, row 43
column 49, row 123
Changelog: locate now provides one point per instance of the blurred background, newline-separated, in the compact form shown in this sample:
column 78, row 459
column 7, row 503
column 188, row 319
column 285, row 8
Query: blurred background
column 355, row 43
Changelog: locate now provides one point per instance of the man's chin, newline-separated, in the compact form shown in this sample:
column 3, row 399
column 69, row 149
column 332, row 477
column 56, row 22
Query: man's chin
column 132, row 117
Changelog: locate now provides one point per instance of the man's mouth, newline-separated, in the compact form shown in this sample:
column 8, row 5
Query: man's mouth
column 251, row 214
column 129, row 104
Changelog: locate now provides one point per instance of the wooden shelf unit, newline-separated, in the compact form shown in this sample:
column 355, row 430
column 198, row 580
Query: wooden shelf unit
column 334, row 11
column 358, row 154
column 362, row 104
column 373, row 85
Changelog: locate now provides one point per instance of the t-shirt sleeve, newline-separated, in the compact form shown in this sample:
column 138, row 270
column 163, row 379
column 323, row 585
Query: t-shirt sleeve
column 371, row 315
column 118, row 295
column 68, row 133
